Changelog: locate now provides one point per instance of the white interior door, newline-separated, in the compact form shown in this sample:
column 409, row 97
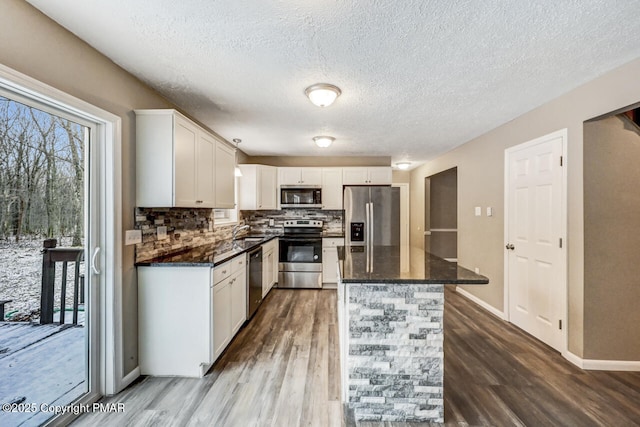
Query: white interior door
column 535, row 232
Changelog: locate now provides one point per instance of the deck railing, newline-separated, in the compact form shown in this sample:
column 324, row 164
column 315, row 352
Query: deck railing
column 52, row 255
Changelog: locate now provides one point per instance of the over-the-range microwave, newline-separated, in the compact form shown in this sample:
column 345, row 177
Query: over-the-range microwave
column 300, row 196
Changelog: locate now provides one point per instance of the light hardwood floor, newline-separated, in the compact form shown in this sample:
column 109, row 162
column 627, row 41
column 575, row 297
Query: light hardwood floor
column 283, row 370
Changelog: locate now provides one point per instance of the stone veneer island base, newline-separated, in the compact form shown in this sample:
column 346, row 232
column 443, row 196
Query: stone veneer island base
column 392, row 332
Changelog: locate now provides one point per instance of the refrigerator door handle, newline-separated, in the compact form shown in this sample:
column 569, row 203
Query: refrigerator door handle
column 371, row 225
column 367, row 233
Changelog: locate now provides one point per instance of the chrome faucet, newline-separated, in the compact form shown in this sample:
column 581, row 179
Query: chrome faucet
column 237, row 229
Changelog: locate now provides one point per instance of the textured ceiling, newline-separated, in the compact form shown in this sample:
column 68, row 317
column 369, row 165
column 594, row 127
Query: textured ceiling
column 418, row 78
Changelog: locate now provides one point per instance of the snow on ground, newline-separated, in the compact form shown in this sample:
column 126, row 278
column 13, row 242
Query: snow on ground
column 21, row 278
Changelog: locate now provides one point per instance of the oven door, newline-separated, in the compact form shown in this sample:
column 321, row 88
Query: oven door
column 300, row 250
column 300, row 263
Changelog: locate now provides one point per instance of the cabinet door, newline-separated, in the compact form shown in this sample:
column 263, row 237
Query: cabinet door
column 267, row 178
column 311, row 176
column 225, row 180
column 266, row 270
column 221, row 316
column 380, row 176
column 289, row 176
column 238, row 301
column 332, row 188
column 355, row 176
column 185, row 149
column 205, row 162
column 274, row 263
column 329, row 265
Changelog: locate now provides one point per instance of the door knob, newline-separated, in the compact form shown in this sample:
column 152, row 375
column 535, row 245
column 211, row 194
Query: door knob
column 510, row 246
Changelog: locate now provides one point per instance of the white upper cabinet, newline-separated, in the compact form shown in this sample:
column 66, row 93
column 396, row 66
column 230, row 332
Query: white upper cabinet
column 176, row 163
column 332, row 188
column 299, row 176
column 258, row 187
column 376, row 175
column 205, row 161
column 225, row 176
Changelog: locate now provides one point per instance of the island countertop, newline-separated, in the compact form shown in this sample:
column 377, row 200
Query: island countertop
column 391, row 264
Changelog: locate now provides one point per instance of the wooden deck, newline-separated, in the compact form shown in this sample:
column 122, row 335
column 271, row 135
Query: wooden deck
column 41, row 364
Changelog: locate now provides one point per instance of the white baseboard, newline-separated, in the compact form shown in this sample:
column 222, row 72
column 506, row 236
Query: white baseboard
column 491, row 309
column 586, row 364
column 602, row 365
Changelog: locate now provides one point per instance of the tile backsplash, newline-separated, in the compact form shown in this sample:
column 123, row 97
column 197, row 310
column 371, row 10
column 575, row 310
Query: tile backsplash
column 259, row 220
column 188, row 228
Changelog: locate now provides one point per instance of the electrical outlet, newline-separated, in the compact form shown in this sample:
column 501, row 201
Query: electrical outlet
column 478, row 211
column 132, row 237
column 489, row 211
column 477, row 269
column 271, row 222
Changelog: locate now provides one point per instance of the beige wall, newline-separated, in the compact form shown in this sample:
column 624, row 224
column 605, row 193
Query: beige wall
column 36, row 46
column 611, row 239
column 480, row 165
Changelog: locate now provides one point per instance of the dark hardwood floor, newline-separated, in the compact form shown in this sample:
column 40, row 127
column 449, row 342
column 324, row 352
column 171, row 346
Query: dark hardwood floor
column 283, row 370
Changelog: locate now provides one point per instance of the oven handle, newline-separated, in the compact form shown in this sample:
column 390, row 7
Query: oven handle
column 300, row 239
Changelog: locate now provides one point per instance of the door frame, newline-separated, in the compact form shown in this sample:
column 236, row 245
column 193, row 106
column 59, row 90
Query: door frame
column 107, row 131
column 563, row 134
column 404, row 223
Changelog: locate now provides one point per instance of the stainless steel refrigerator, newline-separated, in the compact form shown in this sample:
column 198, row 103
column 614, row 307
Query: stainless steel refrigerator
column 371, row 216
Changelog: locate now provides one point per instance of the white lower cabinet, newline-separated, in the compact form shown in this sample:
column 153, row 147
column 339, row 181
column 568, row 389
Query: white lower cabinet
column 229, row 302
column 269, row 266
column 188, row 315
column 330, row 259
column 175, row 328
column 221, row 316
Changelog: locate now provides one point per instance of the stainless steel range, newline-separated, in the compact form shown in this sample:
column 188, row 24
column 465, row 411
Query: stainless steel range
column 300, row 259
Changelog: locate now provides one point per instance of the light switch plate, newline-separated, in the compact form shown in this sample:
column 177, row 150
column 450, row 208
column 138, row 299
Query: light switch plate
column 162, row 232
column 489, row 211
column 132, row 237
column 478, row 211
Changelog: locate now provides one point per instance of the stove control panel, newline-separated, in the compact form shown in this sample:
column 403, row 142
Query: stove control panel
column 303, row 223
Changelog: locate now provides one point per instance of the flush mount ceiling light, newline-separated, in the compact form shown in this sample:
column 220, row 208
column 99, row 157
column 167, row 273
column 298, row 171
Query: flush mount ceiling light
column 403, row 165
column 323, row 141
column 322, row 94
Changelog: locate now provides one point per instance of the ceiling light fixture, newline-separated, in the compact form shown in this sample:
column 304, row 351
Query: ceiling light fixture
column 322, row 94
column 237, row 172
column 403, row 165
column 323, row 141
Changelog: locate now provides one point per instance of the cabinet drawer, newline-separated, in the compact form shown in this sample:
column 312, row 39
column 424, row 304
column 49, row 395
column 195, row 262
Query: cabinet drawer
column 238, row 263
column 332, row 242
column 222, row 271
column 270, row 245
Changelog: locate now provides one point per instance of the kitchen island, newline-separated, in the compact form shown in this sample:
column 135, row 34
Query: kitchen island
column 390, row 313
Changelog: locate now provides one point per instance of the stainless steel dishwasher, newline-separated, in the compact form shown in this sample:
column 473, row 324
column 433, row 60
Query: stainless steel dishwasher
column 254, row 281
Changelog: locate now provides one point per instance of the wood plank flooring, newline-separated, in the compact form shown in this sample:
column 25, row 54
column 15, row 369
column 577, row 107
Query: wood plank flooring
column 283, row 370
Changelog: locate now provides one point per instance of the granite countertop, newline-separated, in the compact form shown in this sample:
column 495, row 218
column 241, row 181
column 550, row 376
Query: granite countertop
column 390, row 264
column 208, row 255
